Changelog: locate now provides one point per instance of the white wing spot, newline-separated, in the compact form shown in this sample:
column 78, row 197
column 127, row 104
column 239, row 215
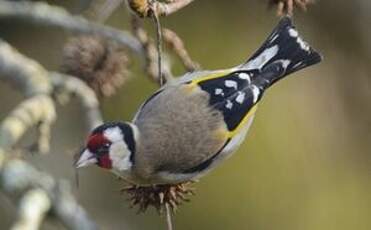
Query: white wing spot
column 231, row 84
column 256, row 93
column 263, row 58
column 303, row 44
column 244, row 76
column 293, row 33
column 229, row 104
column 297, row 65
column 285, row 63
column 274, row 38
column 241, row 97
column 219, row 91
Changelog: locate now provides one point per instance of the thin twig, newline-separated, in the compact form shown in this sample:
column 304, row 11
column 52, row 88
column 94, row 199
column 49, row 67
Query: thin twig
column 151, row 54
column 169, row 221
column 165, row 9
column 156, row 20
column 175, row 43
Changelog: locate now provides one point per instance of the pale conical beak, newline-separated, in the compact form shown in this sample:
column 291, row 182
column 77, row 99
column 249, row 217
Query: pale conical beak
column 86, row 158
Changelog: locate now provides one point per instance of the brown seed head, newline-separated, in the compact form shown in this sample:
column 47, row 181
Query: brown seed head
column 101, row 64
column 158, row 196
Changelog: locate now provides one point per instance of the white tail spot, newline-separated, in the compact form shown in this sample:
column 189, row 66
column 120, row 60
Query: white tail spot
column 255, row 92
column 241, row 97
column 219, row 91
column 263, row 58
column 293, row 33
column 229, row 104
column 231, row 84
column 244, row 76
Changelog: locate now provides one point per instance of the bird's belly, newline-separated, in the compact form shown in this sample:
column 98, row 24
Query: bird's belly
column 228, row 150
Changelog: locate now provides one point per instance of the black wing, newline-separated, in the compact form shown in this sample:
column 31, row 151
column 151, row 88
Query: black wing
column 233, row 94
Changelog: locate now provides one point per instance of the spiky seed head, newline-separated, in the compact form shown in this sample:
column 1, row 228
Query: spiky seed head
column 100, row 63
column 158, row 196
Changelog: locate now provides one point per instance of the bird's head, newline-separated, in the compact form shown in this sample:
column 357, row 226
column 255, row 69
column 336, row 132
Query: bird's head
column 110, row 146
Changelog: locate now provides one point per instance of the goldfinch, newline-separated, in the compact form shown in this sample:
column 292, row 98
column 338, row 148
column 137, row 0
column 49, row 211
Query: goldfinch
column 192, row 124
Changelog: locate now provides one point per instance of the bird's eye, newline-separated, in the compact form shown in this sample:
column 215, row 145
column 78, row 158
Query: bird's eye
column 103, row 149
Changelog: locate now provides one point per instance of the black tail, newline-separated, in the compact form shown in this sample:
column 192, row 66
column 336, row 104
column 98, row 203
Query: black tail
column 284, row 52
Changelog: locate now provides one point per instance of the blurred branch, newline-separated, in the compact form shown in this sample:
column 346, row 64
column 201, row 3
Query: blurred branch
column 33, row 206
column 19, row 179
column 31, row 112
column 38, row 109
column 102, row 10
column 177, row 46
column 10, row 63
column 65, row 84
column 44, row 14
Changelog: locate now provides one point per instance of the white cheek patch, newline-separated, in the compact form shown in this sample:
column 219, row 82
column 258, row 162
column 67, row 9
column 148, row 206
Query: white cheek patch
column 119, row 152
column 120, row 156
column 113, row 134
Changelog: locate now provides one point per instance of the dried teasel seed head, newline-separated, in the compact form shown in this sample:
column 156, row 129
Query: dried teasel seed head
column 158, row 196
column 140, row 7
column 101, row 64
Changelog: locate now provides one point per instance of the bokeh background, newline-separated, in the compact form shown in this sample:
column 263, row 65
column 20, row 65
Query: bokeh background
column 306, row 163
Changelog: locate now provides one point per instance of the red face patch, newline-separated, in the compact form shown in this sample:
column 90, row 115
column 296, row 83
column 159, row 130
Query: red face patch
column 97, row 144
column 96, row 141
column 105, row 162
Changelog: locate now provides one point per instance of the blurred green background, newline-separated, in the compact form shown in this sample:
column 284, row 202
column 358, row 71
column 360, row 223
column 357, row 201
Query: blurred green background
column 306, row 163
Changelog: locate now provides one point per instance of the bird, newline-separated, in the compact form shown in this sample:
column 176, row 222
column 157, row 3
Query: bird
column 190, row 125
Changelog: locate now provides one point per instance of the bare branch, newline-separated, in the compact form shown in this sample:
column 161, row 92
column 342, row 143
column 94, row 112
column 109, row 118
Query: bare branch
column 176, row 44
column 164, row 9
column 11, row 60
column 33, row 206
column 89, row 101
column 16, row 176
column 44, row 14
column 33, row 111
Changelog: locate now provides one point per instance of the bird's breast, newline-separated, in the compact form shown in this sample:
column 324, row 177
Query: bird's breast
column 178, row 130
